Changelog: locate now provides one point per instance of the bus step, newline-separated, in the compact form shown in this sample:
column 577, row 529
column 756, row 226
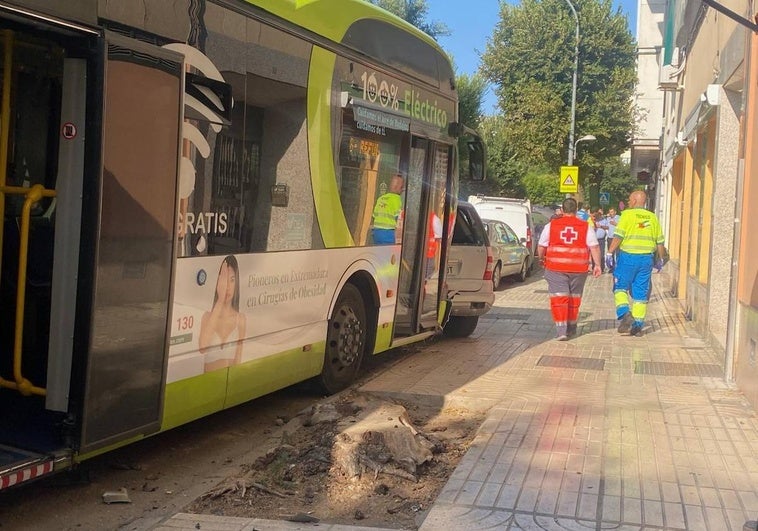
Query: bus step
column 18, row 466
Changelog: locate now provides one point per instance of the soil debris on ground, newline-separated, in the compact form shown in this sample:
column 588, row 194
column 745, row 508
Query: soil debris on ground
column 357, row 459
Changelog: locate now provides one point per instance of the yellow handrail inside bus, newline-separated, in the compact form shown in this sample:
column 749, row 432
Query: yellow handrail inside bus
column 5, row 121
column 5, row 124
column 32, row 195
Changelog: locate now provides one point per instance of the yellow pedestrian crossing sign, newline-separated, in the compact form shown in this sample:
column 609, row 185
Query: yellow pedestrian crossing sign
column 569, row 179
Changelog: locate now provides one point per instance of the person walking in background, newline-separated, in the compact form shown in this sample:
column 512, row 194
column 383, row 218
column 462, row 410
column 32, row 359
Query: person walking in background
column 582, row 213
column 639, row 240
column 564, row 248
column 612, row 220
column 387, row 212
column 558, row 213
column 601, row 231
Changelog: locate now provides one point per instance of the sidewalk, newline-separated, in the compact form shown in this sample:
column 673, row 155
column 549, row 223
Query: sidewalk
column 600, row 432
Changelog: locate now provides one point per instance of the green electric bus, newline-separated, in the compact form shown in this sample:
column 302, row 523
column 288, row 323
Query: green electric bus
column 190, row 194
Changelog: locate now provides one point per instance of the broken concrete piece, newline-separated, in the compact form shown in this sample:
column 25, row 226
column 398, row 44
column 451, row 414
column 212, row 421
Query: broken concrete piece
column 116, row 496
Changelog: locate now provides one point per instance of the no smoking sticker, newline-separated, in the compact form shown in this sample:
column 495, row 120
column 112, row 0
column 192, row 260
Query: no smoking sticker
column 68, row 131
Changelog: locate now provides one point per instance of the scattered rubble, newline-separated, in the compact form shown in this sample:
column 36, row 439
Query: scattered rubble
column 357, row 457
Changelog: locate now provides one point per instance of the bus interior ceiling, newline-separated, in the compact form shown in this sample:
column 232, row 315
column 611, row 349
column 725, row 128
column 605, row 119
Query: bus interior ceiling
column 34, row 85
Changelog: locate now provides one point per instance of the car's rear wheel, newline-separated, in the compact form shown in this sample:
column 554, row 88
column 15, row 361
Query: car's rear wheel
column 496, row 277
column 461, row 326
column 523, row 273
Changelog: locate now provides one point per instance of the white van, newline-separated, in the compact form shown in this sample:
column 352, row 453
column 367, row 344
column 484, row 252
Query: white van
column 517, row 213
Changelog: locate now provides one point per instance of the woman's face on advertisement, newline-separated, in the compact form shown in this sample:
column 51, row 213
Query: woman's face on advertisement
column 227, row 282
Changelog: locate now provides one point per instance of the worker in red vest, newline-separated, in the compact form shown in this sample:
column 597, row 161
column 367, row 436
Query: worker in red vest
column 565, row 246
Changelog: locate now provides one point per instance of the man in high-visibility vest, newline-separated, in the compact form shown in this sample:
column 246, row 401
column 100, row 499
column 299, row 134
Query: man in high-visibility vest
column 565, row 246
column 639, row 240
column 387, row 212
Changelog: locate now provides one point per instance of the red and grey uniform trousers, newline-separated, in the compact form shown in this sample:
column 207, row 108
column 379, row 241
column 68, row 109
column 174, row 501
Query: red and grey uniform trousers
column 565, row 291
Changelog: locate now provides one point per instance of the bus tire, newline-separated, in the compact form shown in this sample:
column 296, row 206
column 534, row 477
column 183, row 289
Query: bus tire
column 346, row 340
column 461, row 326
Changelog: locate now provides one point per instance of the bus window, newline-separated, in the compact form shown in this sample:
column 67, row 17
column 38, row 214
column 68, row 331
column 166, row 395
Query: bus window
column 368, row 163
column 253, row 192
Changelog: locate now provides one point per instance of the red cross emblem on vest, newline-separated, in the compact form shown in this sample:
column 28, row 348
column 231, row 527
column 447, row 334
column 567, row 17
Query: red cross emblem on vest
column 569, row 235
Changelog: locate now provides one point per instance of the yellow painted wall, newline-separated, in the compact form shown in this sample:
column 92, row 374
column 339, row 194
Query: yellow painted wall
column 675, row 208
column 706, row 214
column 747, row 281
column 695, row 181
column 686, row 224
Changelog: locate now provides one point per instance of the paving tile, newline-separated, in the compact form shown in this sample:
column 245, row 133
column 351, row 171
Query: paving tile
column 749, row 501
column 567, row 503
column 653, row 512
column 716, row 518
column 611, row 507
column 673, row 514
column 588, row 506
column 631, row 510
column 737, row 519
column 469, row 492
column 695, row 517
column 508, row 497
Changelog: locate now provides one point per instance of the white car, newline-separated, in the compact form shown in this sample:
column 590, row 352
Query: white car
column 511, row 257
column 516, row 213
column 469, row 273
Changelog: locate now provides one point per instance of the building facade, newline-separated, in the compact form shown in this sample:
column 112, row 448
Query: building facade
column 702, row 186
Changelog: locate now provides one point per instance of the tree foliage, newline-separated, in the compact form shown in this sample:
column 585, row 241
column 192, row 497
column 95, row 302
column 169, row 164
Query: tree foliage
column 470, row 97
column 504, row 171
column 614, row 179
column 530, row 60
column 542, row 187
column 414, row 12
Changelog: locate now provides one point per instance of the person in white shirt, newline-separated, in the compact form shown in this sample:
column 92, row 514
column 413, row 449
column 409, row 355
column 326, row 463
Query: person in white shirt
column 601, row 231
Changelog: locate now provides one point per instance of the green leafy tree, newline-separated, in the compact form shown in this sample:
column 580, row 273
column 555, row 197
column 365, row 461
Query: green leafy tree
column 530, row 60
column 504, row 171
column 470, row 97
column 542, row 187
column 614, row 178
column 415, row 12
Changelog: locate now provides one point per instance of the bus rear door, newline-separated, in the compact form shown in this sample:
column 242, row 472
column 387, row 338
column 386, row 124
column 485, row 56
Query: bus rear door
column 135, row 246
column 45, row 63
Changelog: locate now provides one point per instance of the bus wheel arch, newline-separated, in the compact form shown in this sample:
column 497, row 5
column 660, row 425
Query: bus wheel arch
column 351, row 334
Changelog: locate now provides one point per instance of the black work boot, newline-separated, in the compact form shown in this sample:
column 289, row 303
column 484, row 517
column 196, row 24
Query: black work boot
column 626, row 323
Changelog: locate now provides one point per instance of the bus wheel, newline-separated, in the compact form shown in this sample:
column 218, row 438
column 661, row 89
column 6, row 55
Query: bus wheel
column 345, row 341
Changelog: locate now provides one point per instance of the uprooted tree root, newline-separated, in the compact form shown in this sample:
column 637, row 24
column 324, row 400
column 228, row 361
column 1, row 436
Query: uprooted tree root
column 359, row 457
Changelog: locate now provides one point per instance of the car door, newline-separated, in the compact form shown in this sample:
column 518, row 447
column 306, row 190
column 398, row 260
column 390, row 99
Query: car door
column 490, row 226
column 509, row 262
column 517, row 250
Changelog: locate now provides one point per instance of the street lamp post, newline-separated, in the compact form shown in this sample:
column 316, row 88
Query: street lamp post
column 585, row 138
column 572, row 145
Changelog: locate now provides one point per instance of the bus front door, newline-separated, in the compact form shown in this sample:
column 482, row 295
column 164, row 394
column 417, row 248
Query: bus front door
column 420, row 281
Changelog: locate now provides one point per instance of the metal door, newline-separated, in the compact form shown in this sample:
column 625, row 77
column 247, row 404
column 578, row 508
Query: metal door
column 135, row 242
column 420, row 282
